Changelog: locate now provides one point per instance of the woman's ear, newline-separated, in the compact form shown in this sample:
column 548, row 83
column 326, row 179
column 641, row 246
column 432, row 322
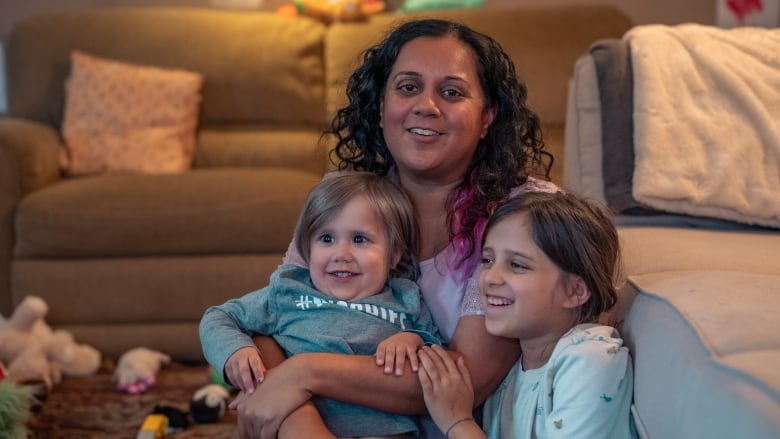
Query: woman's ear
column 487, row 118
column 577, row 292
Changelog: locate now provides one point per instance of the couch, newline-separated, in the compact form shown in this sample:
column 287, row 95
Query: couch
column 133, row 259
column 700, row 304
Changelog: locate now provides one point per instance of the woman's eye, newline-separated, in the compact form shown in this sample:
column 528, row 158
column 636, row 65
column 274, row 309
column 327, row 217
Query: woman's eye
column 451, row 93
column 407, row 88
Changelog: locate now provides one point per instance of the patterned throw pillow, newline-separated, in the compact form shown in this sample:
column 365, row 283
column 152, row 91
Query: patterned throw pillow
column 122, row 117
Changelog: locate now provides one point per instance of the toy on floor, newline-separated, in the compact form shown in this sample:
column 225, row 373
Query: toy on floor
column 177, row 419
column 34, row 352
column 155, row 426
column 137, row 369
column 328, row 11
column 15, row 404
column 209, row 403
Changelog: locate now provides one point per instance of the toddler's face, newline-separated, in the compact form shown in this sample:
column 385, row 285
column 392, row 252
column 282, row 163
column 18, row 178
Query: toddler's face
column 350, row 256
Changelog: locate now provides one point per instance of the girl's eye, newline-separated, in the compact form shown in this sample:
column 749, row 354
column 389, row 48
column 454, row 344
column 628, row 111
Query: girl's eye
column 325, row 238
column 360, row 239
column 485, row 261
column 518, row 266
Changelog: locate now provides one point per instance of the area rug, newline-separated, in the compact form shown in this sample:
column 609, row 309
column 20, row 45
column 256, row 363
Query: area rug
column 92, row 408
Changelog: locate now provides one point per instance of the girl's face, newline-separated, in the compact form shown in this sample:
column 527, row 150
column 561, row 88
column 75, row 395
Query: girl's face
column 433, row 111
column 350, row 256
column 522, row 289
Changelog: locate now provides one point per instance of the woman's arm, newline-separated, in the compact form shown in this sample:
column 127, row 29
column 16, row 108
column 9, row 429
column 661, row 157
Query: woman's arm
column 357, row 379
column 349, row 378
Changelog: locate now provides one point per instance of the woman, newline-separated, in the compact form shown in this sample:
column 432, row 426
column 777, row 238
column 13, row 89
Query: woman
column 437, row 107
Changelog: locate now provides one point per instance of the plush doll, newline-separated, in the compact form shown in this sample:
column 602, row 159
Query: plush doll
column 33, row 352
column 328, row 11
column 136, row 371
column 208, row 404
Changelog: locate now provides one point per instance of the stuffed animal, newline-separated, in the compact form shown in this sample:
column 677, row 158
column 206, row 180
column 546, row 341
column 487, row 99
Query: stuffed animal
column 136, row 371
column 208, row 404
column 328, row 11
column 33, row 352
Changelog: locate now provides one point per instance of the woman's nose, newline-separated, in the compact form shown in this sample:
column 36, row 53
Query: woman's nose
column 427, row 104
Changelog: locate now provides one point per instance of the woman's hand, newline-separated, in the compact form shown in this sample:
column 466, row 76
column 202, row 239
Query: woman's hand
column 261, row 413
column 446, row 386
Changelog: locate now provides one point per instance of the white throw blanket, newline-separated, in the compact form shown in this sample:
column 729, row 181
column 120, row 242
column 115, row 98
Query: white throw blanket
column 707, row 121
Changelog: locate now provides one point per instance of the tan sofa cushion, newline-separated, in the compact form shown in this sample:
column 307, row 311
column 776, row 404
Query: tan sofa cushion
column 274, row 148
column 660, row 249
column 201, row 212
column 649, row 249
column 116, row 304
column 257, row 67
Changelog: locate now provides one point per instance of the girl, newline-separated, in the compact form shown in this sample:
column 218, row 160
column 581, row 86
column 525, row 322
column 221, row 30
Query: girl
column 549, row 263
column 359, row 238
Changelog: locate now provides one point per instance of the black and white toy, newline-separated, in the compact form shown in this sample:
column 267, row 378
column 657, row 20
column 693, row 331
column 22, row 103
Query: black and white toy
column 209, row 403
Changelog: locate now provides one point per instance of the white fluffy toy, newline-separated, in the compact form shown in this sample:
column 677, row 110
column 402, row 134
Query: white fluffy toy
column 33, row 352
column 137, row 369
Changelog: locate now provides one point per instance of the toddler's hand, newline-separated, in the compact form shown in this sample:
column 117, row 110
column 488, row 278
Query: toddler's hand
column 244, row 368
column 394, row 350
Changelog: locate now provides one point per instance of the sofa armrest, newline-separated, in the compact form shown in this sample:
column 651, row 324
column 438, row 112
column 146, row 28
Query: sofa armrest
column 30, row 152
column 28, row 161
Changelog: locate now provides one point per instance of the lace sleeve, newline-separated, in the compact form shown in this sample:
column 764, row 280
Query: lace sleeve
column 472, row 303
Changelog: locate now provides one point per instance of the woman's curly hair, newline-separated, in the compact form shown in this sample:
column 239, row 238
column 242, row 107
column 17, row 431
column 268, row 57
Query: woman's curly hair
column 511, row 150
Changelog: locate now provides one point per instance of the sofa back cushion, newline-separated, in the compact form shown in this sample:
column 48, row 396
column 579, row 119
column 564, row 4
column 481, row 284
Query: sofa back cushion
column 258, row 69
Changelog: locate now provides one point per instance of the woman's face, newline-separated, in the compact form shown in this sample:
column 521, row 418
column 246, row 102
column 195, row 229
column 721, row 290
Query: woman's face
column 433, row 111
